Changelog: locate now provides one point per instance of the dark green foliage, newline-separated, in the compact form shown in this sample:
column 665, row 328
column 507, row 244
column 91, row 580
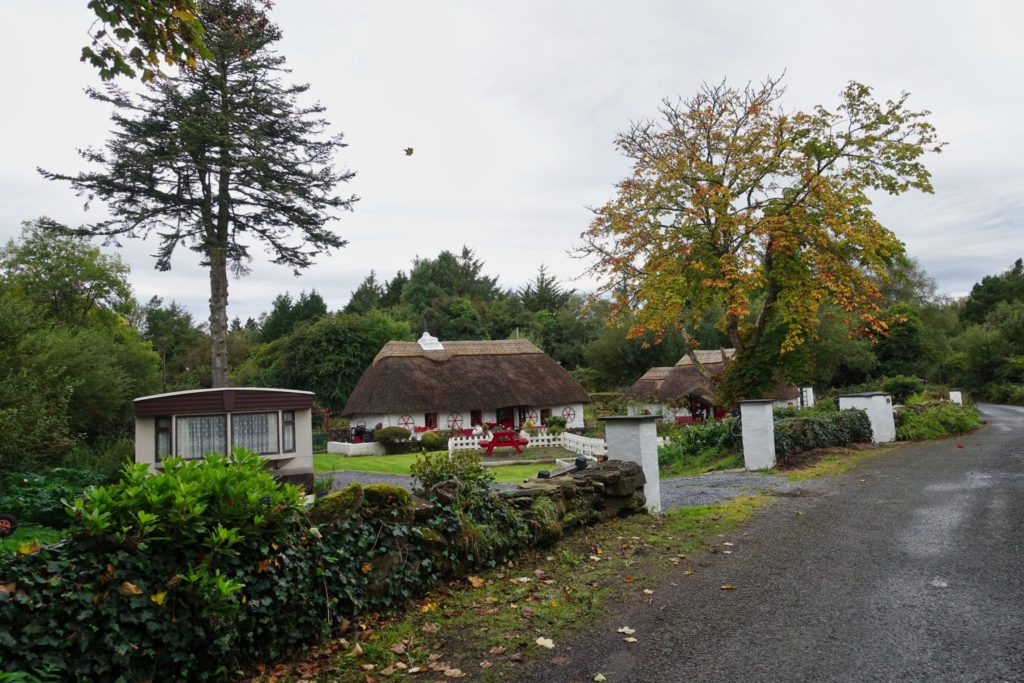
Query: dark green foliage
column 212, row 566
column 902, row 387
column 326, row 356
column 935, row 421
column 992, row 290
column 173, row 333
column 432, row 441
column 1012, row 394
column 690, row 443
column 393, row 438
column 432, row 468
column 42, row 498
column 67, row 277
column 904, row 350
column 286, row 315
column 794, row 435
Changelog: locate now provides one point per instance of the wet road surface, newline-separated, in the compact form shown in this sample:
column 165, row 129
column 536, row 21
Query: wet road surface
column 908, row 568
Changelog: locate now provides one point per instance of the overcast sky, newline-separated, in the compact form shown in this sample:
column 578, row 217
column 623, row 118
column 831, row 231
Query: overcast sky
column 512, row 108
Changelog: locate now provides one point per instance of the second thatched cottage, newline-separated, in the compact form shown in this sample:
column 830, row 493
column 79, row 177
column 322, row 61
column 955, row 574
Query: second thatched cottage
column 681, row 391
column 457, row 385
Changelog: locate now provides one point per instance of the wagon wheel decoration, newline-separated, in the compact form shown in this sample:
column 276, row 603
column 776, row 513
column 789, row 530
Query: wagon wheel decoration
column 454, row 420
column 531, row 416
column 7, row 524
column 568, row 414
column 406, row 422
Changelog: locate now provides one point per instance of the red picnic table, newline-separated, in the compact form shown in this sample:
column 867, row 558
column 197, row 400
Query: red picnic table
column 500, row 439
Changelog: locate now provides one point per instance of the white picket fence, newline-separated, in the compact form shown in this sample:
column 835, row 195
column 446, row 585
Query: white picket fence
column 580, row 445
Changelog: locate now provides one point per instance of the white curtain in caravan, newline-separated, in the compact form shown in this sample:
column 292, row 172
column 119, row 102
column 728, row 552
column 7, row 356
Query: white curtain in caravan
column 201, row 434
column 255, row 431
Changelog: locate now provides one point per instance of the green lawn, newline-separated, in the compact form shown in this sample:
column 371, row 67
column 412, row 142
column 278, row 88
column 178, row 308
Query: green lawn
column 399, row 464
column 27, row 533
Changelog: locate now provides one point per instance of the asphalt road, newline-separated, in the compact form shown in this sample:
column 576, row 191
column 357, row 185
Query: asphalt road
column 908, row 568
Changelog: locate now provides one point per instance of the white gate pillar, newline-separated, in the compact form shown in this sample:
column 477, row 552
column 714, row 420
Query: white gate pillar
column 758, row 421
column 807, row 397
column 955, row 396
column 879, row 409
column 634, row 438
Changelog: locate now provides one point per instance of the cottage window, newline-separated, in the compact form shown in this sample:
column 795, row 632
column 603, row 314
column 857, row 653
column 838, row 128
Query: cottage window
column 288, row 431
column 430, row 420
column 201, row 434
column 256, row 432
column 476, row 417
column 545, row 413
column 163, row 437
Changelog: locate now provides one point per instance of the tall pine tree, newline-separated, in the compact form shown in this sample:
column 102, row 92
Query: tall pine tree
column 218, row 157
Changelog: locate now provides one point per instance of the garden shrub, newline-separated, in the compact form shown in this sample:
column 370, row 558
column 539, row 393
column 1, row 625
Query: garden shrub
column 40, row 497
column 201, row 572
column 188, row 572
column 794, row 435
column 432, row 441
column 935, row 421
column 393, row 439
column 902, row 387
column 433, row 468
column 705, row 441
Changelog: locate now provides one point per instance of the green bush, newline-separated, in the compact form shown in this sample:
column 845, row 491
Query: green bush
column 41, row 498
column 432, row 468
column 106, row 457
column 555, row 421
column 794, row 435
column 705, row 441
column 432, row 441
column 1006, row 393
column 935, row 421
column 199, row 573
column 902, row 387
column 393, row 439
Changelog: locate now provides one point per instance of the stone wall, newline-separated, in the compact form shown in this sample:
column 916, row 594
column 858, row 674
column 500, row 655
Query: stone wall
column 600, row 492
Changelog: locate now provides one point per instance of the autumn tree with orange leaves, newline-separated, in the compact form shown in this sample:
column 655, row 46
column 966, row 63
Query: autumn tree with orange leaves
column 736, row 205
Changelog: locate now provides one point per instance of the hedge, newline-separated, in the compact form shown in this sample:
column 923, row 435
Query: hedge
column 935, row 420
column 214, row 566
column 794, row 435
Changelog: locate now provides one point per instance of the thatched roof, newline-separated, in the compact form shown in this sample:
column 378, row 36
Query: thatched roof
column 674, row 384
column 466, row 375
column 683, row 381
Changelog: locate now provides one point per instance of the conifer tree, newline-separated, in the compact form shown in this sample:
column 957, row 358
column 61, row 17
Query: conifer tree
column 219, row 157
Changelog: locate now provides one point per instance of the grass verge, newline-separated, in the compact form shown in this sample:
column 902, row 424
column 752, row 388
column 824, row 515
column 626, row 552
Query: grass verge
column 830, row 462
column 399, row 464
column 486, row 626
column 708, row 460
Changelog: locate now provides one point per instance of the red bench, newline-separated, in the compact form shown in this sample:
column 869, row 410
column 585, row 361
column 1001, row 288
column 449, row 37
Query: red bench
column 504, row 439
column 688, row 420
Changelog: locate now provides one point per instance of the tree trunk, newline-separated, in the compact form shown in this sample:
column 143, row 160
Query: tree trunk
column 219, row 316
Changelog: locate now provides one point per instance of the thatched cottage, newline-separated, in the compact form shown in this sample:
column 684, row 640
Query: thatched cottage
column 427, row 384
column 682, row 391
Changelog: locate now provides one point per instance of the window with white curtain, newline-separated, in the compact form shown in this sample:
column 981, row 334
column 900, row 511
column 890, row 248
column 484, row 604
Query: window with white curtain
column 255, row 431
column 201, row 434
column 288, row 431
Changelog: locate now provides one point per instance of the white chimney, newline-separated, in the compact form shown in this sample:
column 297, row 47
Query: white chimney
column 430, row 343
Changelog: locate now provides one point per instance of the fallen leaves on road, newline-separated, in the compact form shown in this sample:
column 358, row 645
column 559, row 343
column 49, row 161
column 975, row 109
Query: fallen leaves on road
column 627, row 630
column 728, row 587
column 475, row 581
column 546, row 642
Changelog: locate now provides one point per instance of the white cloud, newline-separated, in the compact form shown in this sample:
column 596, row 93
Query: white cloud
column 512, row 108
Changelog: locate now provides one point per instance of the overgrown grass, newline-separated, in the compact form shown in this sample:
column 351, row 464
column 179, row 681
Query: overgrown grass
column 485, row 625
column 30, row 533
column 935, row 421
column 400, row 464
column 835, row 462
column 706, row 460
